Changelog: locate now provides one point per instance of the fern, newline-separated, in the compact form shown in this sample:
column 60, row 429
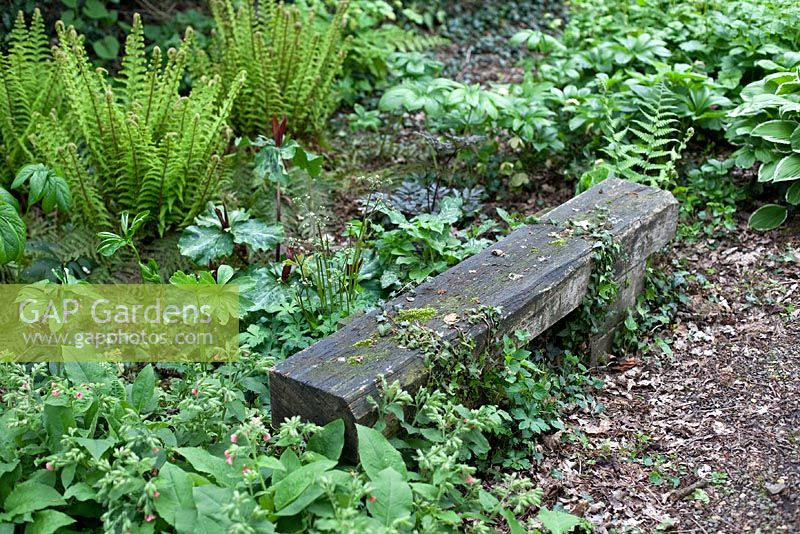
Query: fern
column 135, row 143
column 291, row 59
column 646, row 151
column 29, row 85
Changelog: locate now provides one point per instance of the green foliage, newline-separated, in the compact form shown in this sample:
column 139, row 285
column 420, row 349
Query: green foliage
column 137, row 145
column 425, row 245
column 29, row 86
column 767, row 126
column 217, row 232
column 12, row 234
column 646, row 150
column 110, row 243
column 44, row 185
column 292, row 61
column 707, row 199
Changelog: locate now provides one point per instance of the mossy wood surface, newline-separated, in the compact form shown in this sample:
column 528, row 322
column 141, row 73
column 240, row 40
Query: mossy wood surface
column 537, row 275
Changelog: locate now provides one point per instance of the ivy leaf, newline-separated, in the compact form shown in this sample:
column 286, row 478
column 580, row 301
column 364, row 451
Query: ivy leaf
column 257, row 234
column 204, row 244
column 558, row 522
column 376, row 453
column 392, row 497
column 767, row 217
column 12, row 234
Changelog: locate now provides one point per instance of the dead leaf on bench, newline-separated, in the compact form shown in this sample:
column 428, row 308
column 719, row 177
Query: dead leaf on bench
column 450, row 319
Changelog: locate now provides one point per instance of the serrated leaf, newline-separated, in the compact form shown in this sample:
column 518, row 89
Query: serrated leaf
column 258, row 235
column 204, row 244
column 558, row 522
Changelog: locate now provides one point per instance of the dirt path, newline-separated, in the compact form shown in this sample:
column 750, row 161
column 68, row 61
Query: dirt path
column 721, row 415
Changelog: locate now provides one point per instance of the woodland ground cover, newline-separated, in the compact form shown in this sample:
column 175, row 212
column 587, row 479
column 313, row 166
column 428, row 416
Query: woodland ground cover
column 326, row 156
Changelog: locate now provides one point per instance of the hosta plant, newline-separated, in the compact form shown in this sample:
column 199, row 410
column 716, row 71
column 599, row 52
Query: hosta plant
column 292, row 61
column 767, row 126
column 136, row 144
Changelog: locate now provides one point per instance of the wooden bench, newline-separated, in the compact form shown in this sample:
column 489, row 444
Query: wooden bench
column 536, row 275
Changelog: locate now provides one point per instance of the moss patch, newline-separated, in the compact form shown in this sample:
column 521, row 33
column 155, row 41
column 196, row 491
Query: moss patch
column 416, row 314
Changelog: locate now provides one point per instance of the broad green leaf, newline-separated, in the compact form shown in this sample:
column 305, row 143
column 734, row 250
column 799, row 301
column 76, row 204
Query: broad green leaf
column 95, row 9
column 204, row 462
column 793, row 194
column 175, row 488
column 775, row 131
column 96, row 447
column 8, row 198
column 57, row 422
column 788, row 169
column 257, row 234
column 110, row 243
column 143, row 389
column 296, row 482
column 88, row 373
column 329, row 441
column 12, row 234
column 558, row 522
column 29, row 497
column 47, row 522
column 376, row 453
column 513, row 524
column 767, row 217
column 396, row 97
column 266, row 292
column 392, row 497
column 80, row 492
column 204, row 244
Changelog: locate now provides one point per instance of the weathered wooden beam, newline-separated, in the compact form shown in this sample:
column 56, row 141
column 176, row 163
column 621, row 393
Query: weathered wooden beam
column 536, row 275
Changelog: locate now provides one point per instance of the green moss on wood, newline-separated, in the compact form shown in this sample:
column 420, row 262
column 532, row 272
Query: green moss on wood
column 416, row 314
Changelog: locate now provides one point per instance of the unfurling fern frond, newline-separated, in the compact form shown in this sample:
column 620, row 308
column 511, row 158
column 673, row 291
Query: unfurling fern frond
column 291, row 59
column 136, row 144
column 29, row 85
column 646, row 151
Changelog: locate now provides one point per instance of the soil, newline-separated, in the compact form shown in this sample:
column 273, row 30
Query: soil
column 707, row 439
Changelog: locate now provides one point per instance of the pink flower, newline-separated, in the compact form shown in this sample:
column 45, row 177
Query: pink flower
column 156, row 450
column 55, row 393
column 195, row 392
column 256, row 420
column 149, row 518
column 470, row 479
column 228, row 458
column 79, row 395
column 234, row 438
column 267, row 437
column 245, row 470
column 49, row 466
column 372, row 498
column 156, row 494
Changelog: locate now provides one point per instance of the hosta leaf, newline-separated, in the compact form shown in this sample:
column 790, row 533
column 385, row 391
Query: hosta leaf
column 376, row 453
column 787, row 169
column 204, row 244
column 793, row 194
column 767, row 217
column 392, row 497
column 12, row 234
column 257, row 234
column 777, row 131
